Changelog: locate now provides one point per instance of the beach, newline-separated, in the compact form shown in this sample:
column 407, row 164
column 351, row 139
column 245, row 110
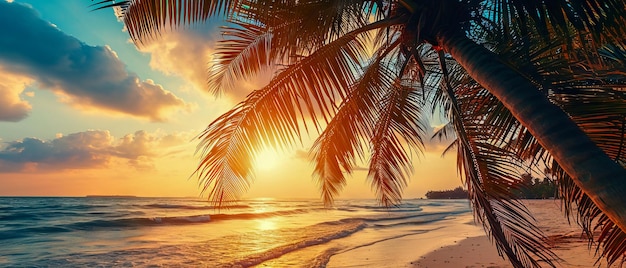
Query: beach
column 566, row 239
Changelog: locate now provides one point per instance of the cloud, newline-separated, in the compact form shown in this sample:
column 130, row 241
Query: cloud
column 86, row 76
column 12, row 107
column 86, row 150
column 184, row 53
column 187, row 53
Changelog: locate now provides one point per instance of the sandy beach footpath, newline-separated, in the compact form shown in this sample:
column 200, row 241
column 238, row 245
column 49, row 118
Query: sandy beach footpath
column 480, row 252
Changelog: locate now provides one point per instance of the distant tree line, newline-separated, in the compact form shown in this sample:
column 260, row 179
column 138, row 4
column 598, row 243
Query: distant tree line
column 457, row 193
column 535, row 188
column 526, row 187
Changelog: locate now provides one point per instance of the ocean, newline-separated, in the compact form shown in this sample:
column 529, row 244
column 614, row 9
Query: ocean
column 188, row 232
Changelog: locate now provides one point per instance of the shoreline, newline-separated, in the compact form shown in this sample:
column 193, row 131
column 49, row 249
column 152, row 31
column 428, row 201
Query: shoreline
column 459, row 242
column 567, row 240
column 402, row 250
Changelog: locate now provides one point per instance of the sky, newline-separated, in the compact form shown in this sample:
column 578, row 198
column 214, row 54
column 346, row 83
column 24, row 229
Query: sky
column 84, row 111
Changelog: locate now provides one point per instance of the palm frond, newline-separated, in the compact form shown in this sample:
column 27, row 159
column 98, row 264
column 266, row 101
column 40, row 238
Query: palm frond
column 615, row 52
column 490, row 174
column 601, row 112
column 336, row 150
column 266, row 33
column 595, row 99
column 147, row 19
column 604, row 18
column 299, row 27
column 397, row 131
column 244, row 52
column 489, row 168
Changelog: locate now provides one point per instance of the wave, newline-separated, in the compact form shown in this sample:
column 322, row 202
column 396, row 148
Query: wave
column 214, row 252
column 19, row 216
column 35, row 215
column 409, row 216
column 188, row 207
column 261, row 215
column 55, row 207
column 318, row 234
column 29, row 231
column 138, row 222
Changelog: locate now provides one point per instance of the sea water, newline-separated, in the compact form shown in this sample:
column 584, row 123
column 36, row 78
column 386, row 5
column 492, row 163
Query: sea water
column 188, row 232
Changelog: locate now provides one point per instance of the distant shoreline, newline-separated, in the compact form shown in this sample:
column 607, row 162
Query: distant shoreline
column 111, row 196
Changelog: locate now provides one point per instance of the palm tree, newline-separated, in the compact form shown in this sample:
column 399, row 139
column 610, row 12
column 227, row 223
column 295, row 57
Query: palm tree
column 521, row 82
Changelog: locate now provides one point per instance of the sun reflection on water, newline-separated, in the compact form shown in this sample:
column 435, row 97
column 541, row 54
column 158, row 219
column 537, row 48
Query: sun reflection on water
column 267, row 224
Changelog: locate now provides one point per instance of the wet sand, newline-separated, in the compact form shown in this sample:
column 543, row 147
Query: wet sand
column 567, row 243
column 458, row 242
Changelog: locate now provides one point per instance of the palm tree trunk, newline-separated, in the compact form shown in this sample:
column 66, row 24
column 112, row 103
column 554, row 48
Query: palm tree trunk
column 601, row 178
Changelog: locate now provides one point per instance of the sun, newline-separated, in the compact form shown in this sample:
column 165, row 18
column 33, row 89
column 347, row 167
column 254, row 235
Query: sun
column 267, row 159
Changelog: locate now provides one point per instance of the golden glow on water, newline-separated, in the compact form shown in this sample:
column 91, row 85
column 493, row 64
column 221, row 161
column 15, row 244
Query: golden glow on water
column 267, row 224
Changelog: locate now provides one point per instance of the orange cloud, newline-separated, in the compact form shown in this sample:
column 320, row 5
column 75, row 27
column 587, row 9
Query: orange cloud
column 86, row 150
column 12, row 107
column 187, row 53
column 184, row 53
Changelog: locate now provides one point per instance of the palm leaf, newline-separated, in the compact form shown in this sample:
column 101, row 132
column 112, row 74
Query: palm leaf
column 596, row 101
column 397, row 130
column 490, row 170
column 146, row 19
column 299, row 27
column 604, row 18
column 491, row 173
column 336, row 150
column 244, row 53
column 285, row 27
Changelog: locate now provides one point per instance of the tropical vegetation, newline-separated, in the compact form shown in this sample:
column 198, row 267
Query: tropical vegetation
column 526, row 187
column 523, row 84
column 535, row 188
column 456, row 193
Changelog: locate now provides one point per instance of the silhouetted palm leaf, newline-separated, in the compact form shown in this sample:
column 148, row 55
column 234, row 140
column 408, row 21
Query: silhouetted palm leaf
column 336, row 150
column 146, row 19
column 491, row 173
column 271, row 115
column 397, row 131
column 244, row 53
column 597, row 104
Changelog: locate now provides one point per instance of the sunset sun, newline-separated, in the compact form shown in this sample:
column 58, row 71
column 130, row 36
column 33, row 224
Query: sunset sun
column 267, row 160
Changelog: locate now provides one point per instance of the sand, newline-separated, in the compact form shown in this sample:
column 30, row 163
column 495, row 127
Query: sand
column 402, row 251
column 567, row 243
column 459, row 242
